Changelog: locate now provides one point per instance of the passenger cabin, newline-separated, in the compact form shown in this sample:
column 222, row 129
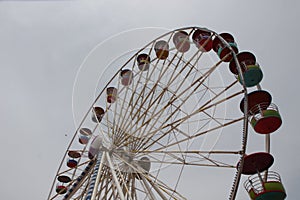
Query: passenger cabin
column 263, row 115
column 126, row 76
column 61, row 187
column 143, row 61
column 269, row 187
column 98, row 114
column 72, row 161
column 222, row 49
column 257, row 97
column 203, row 40
column 161, row 49
column 84, row 135
column 252, row 74
column 256, row 163
column 266, row 120
column 181, row 41
column 111, row 94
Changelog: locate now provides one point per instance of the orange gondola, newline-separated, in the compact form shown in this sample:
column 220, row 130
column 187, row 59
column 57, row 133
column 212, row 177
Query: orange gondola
column 161, row 49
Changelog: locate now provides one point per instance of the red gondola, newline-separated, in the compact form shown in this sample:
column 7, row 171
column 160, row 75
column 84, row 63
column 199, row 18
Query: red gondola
column 257, row 162
column 258, row 97
column 266, row 120
column 60, row 187
column 222, row 49
column 203, row 40
column 72, row 163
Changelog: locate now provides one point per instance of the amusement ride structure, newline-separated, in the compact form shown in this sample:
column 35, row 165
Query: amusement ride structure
column 163, row 112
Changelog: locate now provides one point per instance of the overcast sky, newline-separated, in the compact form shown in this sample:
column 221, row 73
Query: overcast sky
column 44, row 43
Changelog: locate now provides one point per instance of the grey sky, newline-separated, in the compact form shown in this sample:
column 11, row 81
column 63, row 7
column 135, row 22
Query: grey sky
column 43, row 43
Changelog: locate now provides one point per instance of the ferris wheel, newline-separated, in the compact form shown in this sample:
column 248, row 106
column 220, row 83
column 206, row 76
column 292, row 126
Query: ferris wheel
column 181, row 102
